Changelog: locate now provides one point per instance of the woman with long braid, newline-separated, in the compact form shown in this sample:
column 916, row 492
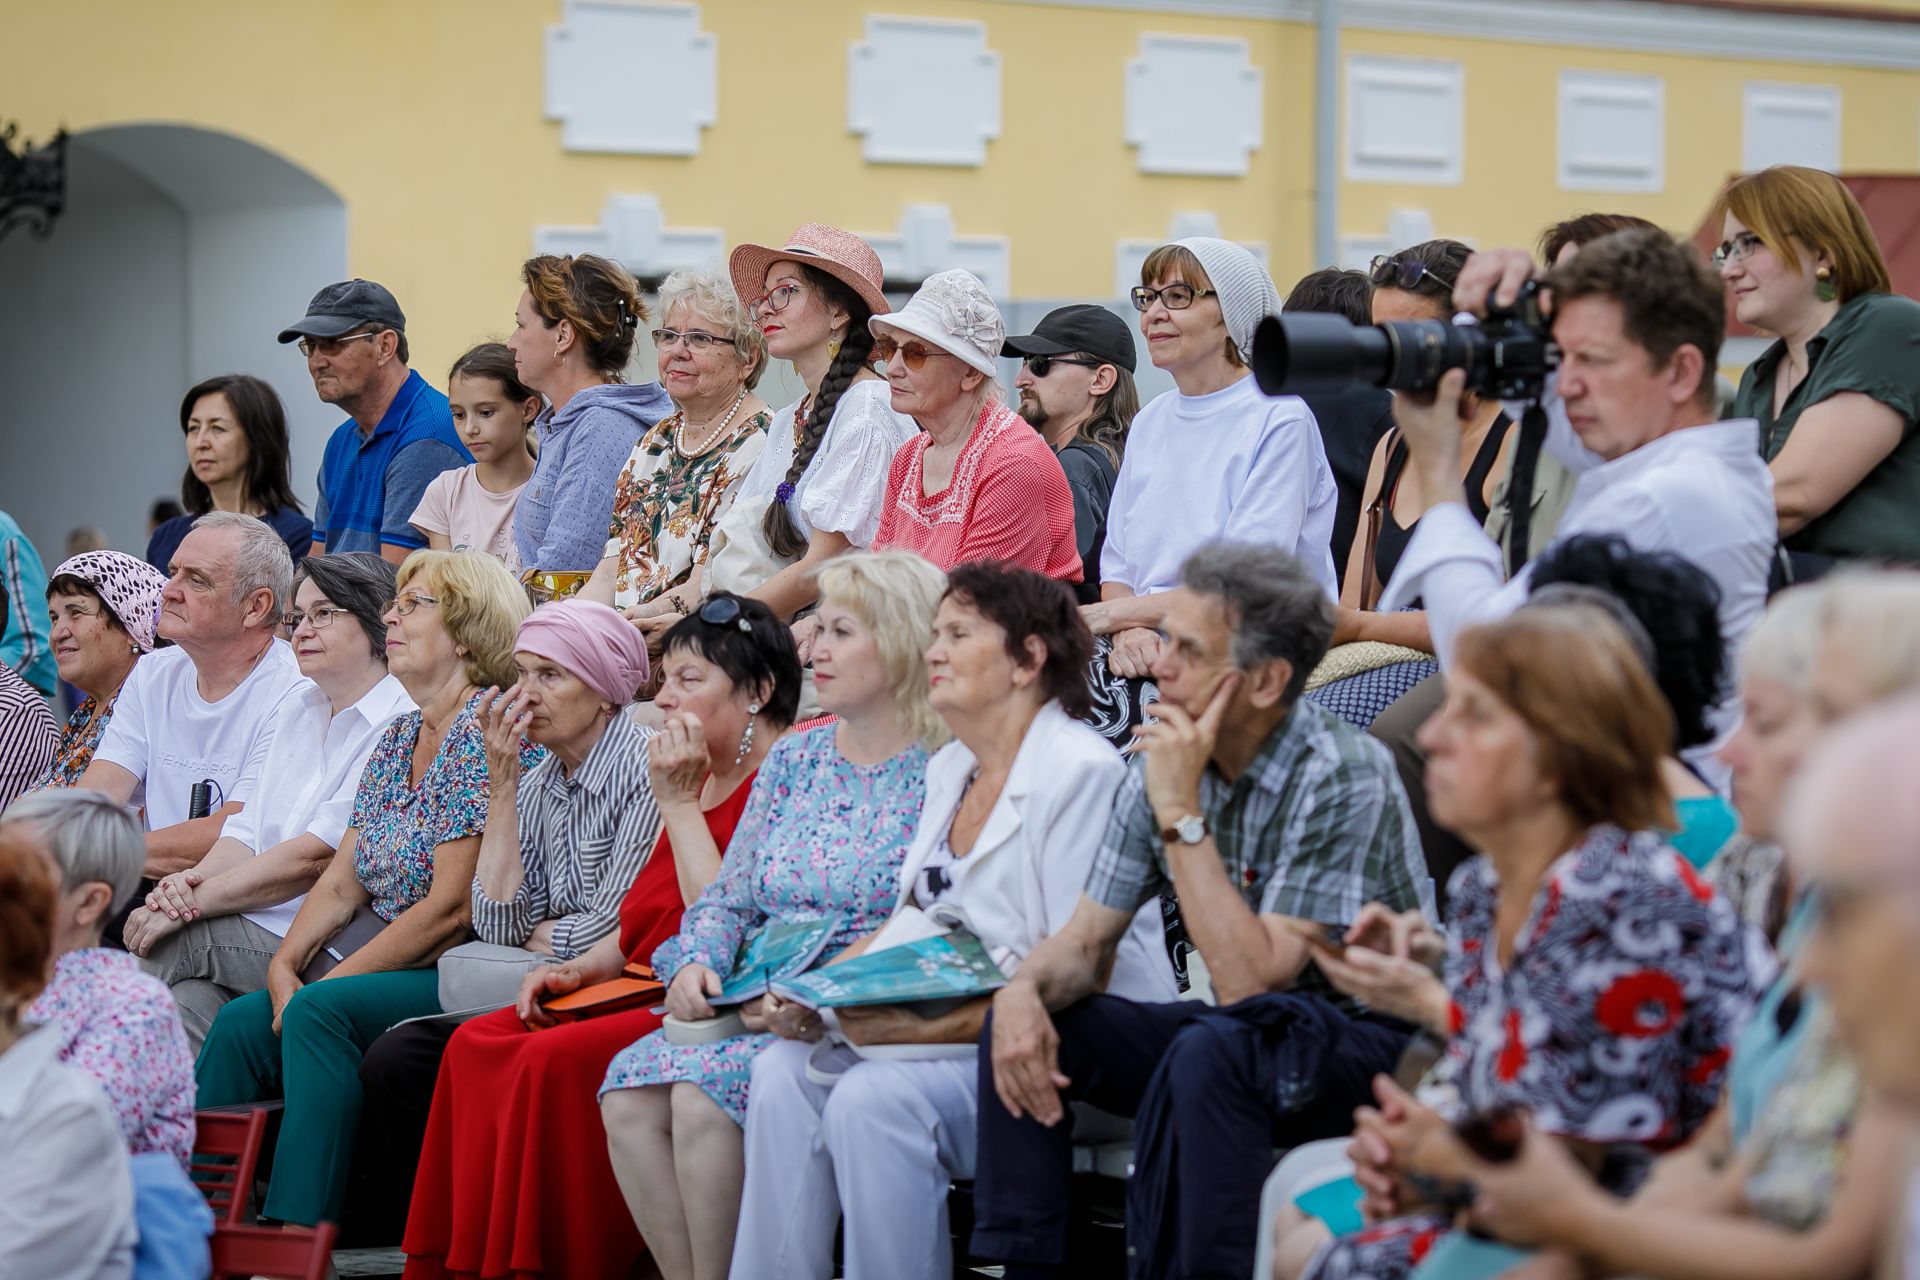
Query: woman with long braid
column 820, row 483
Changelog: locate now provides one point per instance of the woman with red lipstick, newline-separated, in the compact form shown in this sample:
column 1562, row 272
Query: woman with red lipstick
column 685, row 473
column 817, row 490
column 1837, row 395
column 236, row 432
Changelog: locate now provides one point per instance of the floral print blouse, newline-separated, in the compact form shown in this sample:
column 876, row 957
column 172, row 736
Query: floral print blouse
column 78, row 741
column 665, row 505
column 1612, row 1024
column 120, row 1026
column 400, row 825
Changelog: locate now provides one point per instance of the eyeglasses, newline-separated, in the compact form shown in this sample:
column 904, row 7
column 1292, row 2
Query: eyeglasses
column 1174, row 297
column 405, row 605
column 1403, row 273
column 914, row 354
column 1738, row 249
column 696, row 341
column 774, row 299
column 1041, row 366
column 332, row 346
column 718, row 611
column 321, row 616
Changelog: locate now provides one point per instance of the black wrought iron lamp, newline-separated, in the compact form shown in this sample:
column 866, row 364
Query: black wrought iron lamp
column 33, row 183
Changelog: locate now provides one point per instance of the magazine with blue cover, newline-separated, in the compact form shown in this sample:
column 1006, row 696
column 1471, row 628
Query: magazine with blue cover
column 774, row 952
column 951, row 966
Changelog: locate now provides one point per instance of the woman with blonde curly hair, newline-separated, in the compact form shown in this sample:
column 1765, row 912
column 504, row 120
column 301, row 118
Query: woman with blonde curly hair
column 360, row 955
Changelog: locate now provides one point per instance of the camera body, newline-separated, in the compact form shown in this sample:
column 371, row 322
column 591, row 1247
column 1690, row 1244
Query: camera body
column 1506, row 357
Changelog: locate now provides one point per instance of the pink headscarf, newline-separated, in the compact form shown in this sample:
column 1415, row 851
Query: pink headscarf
column 131, row 589
column 593, row 642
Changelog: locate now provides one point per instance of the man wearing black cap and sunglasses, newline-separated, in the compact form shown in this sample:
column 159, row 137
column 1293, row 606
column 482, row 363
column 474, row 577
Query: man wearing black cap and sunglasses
column 1076, row 389
column 399, row 434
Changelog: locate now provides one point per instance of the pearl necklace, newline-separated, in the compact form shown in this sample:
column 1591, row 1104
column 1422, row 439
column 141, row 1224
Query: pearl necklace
column 713, row 437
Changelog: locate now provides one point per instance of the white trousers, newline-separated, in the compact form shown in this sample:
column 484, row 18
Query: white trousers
column 880, row 1146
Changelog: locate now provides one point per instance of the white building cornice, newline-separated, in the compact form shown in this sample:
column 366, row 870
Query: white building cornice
column 1640, row 25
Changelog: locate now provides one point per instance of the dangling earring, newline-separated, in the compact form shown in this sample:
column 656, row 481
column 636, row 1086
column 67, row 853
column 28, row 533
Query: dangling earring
column 1823, row 285
column 746, row 739
column 833, row 349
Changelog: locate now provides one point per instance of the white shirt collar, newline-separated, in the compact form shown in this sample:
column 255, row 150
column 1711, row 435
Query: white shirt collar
column 1732, row 439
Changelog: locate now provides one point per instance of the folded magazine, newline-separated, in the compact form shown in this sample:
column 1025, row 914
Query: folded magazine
column 774, row 952
column 950, row 966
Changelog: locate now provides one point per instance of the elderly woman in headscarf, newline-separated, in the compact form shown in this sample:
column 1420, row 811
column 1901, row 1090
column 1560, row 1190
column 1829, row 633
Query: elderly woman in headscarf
column 978, row 483
column 102, row 606
column 573, row 835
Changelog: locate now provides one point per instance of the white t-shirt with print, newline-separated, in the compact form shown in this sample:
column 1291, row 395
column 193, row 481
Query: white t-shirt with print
column 165, row 734
column 311, row 773
column 469, row 515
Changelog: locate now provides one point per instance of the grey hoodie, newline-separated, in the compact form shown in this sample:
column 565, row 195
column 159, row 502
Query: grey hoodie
column 563, row 515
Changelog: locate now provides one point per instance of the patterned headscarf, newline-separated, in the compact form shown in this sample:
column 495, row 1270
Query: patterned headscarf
column 130, row 587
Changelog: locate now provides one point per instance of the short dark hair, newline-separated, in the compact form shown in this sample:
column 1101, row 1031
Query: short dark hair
column 1275, row 607
column 762, row 653
column 357, row 581
column 1669, row 297
column 1443, row 260
column 1674, row 600
column 1339, row 291
column 1585, row 228
column 262, row 419
column 1026, row 605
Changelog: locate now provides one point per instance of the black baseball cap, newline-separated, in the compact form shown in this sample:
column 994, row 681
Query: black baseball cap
column 342, row 308
column 1082, row 327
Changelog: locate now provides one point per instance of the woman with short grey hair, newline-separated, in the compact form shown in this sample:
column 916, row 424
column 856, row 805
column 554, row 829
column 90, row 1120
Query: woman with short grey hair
column 116, row 1023
column 685, row 473
column 210, row 931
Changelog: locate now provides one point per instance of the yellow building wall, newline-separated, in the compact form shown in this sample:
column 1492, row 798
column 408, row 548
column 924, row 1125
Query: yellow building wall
column 426, row 117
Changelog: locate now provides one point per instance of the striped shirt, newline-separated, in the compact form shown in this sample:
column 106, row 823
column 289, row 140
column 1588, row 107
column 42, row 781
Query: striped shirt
column 583, row 840
column 1316, row 827
column 28, row 736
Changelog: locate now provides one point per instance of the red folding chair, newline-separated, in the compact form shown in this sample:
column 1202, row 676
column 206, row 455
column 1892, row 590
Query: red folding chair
column 226, row 1149
column 272, row 1253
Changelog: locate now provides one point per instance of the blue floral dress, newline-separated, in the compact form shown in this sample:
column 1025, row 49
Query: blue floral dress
column 821, row 836
column 400, row 825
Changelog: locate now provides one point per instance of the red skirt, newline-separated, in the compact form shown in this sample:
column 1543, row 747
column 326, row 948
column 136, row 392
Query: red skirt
column 515, row 1182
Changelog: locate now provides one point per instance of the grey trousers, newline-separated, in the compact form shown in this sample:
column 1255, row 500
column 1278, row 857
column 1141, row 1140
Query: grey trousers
column 208, row 963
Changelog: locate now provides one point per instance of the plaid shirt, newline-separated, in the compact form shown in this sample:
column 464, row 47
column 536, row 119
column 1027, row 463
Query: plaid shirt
column 1316, row 827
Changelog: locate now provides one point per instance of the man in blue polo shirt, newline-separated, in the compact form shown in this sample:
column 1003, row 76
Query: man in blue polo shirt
column 399, row 434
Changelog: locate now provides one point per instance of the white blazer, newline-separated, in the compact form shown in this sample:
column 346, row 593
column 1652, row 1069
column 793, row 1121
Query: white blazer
column 1030, row 863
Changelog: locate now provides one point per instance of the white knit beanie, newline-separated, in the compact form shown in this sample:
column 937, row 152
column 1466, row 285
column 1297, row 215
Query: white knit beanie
column 1245, row 290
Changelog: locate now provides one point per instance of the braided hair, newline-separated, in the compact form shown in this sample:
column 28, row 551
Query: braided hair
column 856, row 353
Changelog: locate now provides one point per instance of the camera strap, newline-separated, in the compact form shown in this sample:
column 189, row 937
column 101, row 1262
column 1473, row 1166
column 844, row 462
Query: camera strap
column 1526, row 460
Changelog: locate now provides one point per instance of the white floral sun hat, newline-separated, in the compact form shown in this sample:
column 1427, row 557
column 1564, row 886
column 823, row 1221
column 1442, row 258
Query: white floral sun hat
column 953, row 311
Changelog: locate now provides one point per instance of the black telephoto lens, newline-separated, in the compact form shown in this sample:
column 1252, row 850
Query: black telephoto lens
column 1307, row 353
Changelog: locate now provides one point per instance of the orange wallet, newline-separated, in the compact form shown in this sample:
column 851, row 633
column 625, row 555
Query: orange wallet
column 635, row 988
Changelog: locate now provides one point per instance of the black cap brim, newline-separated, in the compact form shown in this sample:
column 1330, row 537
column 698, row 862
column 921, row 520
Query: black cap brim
column 320, row 327
column 1032, row 344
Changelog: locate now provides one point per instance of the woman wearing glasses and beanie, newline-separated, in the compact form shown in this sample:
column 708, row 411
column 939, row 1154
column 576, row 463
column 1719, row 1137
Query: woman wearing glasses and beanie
column 1213, row 458
column 817, row 488
column 1414, row 284
column 211, row 931
column 684, row 474
column 515, row 1119
column 979, row 484
column 573, row 334
column 359, row 956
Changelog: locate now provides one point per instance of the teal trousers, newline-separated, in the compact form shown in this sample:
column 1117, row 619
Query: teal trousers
column 314, row 1064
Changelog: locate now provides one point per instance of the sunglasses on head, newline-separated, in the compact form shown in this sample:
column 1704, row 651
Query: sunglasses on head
column 719, row 611
column 1041, row 366
column 886, row 347
column 1402, row 273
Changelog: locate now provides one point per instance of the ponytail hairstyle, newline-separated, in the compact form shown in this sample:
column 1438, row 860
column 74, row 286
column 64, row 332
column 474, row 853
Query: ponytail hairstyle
column 494, row 361
column 856, row 353
column 597, row 297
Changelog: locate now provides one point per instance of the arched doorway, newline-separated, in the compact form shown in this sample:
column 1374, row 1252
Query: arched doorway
column 181, row 253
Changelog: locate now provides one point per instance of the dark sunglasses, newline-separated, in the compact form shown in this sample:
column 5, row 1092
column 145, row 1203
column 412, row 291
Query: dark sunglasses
column 718, row 611
column 1041, row 366
column 885, row 348
column 1403, row 273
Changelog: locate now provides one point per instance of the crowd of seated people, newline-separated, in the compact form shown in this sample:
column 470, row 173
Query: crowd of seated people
column 1429, row 860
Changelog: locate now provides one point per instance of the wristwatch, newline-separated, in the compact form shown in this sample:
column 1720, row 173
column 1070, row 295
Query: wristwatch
column 1191, row 829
